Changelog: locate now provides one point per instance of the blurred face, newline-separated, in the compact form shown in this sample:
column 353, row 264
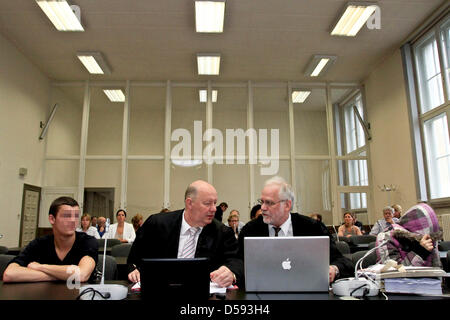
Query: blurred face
column 387, row 215
column 101, row 222
column 275, row 211
column 85, row 222
column 258, row 213
column 200, row 210
column 348, row 219
column 66, row 220
column 120, row 217
column 234, row 222
column 94, row 221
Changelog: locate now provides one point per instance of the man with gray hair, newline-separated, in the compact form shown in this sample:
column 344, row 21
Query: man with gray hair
column 276, row 220
column 386, row 223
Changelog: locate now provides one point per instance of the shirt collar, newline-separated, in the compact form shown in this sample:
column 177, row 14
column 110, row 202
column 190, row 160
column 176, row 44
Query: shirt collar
column 186, row 226
column 285, row 226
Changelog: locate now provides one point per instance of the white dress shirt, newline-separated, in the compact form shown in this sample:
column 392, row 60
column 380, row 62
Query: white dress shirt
column 184, row 234
column 286, row 229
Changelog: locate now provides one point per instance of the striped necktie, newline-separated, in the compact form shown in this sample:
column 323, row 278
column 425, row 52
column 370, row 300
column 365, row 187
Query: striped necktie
column 189, row 245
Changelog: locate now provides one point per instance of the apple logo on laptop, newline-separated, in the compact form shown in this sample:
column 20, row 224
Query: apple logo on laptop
column 286, row 264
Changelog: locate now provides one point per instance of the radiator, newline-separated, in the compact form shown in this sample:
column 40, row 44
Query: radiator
column 445, row 224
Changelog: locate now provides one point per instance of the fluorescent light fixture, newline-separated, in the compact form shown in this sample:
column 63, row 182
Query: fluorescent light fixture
column 61, row 14
column 354, row 17
column 209, row 16
column 300, row 96
column 94, row 62
column 208, row 63
column 319, row 64
column 203, row 95
column 115, row 95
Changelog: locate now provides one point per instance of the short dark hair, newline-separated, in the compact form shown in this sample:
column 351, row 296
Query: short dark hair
column 254, row 211
column 122, row 211
column 223, row 204
column 61, row 201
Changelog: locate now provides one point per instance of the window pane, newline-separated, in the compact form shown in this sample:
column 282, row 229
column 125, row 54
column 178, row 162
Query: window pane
column 355, row 175
column 438, row 156
column 445, row 42
column 429, row 75
column 353, row 201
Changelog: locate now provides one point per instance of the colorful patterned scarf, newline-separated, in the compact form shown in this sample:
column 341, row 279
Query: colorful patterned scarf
column 416, row 222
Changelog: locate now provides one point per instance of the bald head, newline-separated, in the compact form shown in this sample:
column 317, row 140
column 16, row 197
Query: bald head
column 200, row 203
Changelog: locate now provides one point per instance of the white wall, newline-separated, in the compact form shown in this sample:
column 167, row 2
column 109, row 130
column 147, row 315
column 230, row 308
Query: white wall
column 390, row 147
column 24, row 98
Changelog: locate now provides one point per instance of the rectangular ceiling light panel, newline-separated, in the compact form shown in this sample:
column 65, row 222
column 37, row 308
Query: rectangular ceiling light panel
column 209, row 16
column 61, row 15
column 203, row 95
column 300, row 96
column 94, row 62
column 115, row 95
column 208, row 64
column 354, row 17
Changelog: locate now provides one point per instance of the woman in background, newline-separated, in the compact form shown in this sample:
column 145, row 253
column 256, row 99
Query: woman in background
column 348, row 229
column 121, row 230
column 85, row 226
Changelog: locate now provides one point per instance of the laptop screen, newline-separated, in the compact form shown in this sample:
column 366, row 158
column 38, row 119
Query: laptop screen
column 175, row 279
column 287, row 264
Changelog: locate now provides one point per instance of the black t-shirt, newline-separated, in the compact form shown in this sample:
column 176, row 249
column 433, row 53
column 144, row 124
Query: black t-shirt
column 42, row 250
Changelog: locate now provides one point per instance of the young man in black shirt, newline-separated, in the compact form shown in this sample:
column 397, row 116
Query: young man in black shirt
column 53, row 257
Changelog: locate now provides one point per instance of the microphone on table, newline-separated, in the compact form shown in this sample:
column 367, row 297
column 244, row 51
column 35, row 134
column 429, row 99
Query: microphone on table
column 103, row 291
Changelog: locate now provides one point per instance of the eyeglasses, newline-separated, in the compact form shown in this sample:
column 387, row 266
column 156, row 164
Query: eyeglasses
column 268, row 203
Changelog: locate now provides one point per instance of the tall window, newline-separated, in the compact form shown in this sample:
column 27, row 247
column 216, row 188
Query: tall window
column 431, row 54
column 355, row 142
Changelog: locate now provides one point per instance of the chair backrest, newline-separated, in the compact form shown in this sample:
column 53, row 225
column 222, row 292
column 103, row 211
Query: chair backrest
column 362, row 239
column 4, row 260
column 111, row 272
column 110, row 243
column 3, row 250
column 121, row 250
column 444, row 245
column 343, row 247
column 371, row 245
column 370, row 260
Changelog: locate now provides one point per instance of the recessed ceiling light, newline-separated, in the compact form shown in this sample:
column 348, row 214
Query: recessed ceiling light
column 300, row 96
column 94, row 62
column 203, row 95
column 209, row 16
column 354, row 17
column 61, row 14
column 115, row 95
column 319, row 64
column 208, row 63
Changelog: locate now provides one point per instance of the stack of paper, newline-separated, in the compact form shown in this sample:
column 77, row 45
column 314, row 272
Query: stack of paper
column 425, row 286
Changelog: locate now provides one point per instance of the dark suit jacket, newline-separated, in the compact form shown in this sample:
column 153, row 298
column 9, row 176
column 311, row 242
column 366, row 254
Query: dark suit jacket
column 301, row 226
column 159, row 237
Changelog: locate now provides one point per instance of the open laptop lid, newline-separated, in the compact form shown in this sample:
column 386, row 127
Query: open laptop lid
column 287, row 264
column 175, row 279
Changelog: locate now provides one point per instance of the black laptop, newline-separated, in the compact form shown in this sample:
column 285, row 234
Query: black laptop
column 186, row 279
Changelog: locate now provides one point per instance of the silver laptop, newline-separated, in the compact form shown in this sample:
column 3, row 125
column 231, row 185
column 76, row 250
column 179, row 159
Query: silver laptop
column 287, row 264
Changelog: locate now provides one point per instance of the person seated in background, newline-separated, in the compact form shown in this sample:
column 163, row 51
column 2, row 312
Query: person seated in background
column 413, row 240
column 190, row 233
column 101, row 226
column 121, row 230
column 386, row 223
column 276, row 220
column 316, row 216
column 233, row 222
column 94, row 221
column 255, row 212
column 59, row 256
column 397, row 211
column 348, row 229
column 137, row 221
column 357, row 223
column 85, row 226
column 165, row 210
